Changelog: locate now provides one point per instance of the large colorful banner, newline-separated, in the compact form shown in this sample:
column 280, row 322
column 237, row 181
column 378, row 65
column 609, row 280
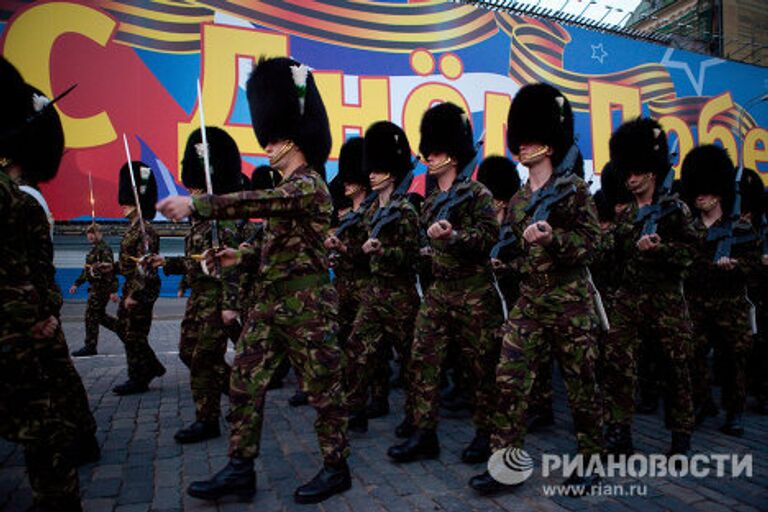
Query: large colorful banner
column 136, row 64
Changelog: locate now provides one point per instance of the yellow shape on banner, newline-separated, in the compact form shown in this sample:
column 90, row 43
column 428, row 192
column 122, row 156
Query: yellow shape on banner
column 604, row 97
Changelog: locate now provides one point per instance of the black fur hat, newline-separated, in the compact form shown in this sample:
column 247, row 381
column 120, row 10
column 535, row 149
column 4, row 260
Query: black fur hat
column 224, row 159
column 640, row 146
column 613, row 187
column 285, row 104
column 752, row 193
column 31, row 134
column 264, row 177
column 540, row 114
column 387, row 150
column 605, row 212
column 145, row 185
column 708, row 169
column 351, row 163
column 339, row 199
column 500, row 175
column 445, row 128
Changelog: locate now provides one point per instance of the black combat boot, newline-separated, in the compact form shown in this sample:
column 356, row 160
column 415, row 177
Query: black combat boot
column 377, row 408
column 618, row 440
column 358, row 422
column 479, row 450
column 681, row 444
column 405, row 429
column 236, row 478
column 330, row 480
column 422, row 444
column 649, row 404
column 298, row 399
column 540, row 418
column 84, row 352
column 733, row 425
column 705, row 410
column 484, row 483
column 198, row 431
column 86, row 450
column 130, row 387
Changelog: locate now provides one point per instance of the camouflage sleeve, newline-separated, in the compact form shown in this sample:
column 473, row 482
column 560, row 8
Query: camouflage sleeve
column 479, row 229
column 230, row 276
column 140, row 291
column 404, row 252
column 574, row 244
column 292, row 198
column 678, row 250
column 80, row 279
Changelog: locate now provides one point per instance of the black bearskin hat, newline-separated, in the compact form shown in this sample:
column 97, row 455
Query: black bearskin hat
column 265, row 177
column 613, row 187
column 31, row 134
column 445, row 128
column 387, row 150
column 605, row 212
column 223, row 157
column 285, row 104
column 752, row 193
column 145, row 185
column 340, row 201
column 500, row 175
column 706, row 170
column 640, row 146
column 540, row 114
column 351, row 163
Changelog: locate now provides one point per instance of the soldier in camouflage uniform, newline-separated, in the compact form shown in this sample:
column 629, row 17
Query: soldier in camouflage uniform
column 296, row 312
column 31, row 144
column 717, row 291
column 461, row 306
column 213, row 302
column 102, row 286
column 142, row 284
column 649, row 306
column 393, row 249
column 554, row 315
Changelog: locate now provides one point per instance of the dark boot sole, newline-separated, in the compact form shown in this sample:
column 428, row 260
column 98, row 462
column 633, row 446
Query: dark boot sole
column 317, row 498
column 195, row 440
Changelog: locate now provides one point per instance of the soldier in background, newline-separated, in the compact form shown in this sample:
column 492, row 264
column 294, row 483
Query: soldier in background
column 99, row 273
column 31, row 142
column 296, row 311
column 142, row 284
column 461, row 306
column 716, row 291
column 649, row 305
column 213, row 303
column 555, row 312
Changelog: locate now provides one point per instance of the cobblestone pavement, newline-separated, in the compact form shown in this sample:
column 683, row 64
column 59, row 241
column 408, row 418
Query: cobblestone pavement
column 143, row 469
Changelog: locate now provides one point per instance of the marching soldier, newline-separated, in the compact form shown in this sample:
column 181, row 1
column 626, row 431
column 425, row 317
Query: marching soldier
column 296, row 312
column 654, row 251
column 100, row 275
column 392, row 244
column 142, row 286
column 555, row 312
column 461, row 306
column 717, row 290
column 31, row 144
column 213, row 303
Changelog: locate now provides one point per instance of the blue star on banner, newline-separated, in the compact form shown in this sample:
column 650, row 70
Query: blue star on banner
column 598, row 52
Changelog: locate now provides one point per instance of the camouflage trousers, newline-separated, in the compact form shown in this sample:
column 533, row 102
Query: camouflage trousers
column 95, row 315
column 721, row 321
column 659, row 318
column 29, row 415
column 202, row 347
column 300, row 323
column 385, row 318
column 465, row 312
column 545, row 324
column 132, row 327
column 350, row 292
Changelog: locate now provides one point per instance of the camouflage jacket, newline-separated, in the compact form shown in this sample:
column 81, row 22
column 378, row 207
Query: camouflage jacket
column 19, row 302
column 354, row 263
column 101, row 280
column 140, row 287
column 299, row 215
column 248, row 269
column 37, row 231
column 197, row 241
column 661, row 268
column 399, row 242
column 474, row 222
column 575, row 232
column 707, row 279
